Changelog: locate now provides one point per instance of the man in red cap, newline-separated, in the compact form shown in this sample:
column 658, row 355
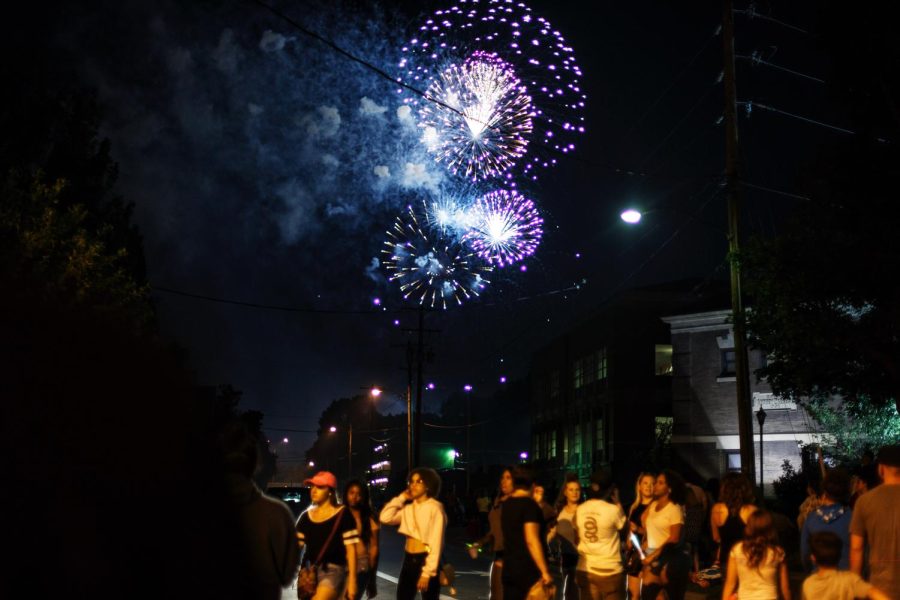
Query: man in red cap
column 422, row 520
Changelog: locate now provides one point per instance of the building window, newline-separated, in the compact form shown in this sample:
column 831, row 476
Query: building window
column 600, row 364
column 576, row 444
column 663, row 430
column 663, row 359
column 551, row 446
column 536, row 446
column 578, row 373
column 728, row 363
column 554, row 384
column 599, row 439
column 733, row 462
column 565, row 448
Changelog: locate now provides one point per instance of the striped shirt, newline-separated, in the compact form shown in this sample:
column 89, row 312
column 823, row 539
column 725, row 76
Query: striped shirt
column 313, row 536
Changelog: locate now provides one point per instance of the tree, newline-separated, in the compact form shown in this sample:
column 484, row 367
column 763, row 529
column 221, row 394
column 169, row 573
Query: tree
column 855, row 427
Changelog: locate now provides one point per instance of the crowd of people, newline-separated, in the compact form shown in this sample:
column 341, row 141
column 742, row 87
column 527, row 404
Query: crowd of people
column 652, row 549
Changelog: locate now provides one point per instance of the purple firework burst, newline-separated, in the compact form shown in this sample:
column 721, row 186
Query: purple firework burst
column 532, row 52
column 507, row 227
column 480, row 120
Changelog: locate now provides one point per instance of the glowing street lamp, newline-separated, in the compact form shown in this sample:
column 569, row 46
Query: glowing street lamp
column 375, row 391
column 631, row 216
column 332, row 429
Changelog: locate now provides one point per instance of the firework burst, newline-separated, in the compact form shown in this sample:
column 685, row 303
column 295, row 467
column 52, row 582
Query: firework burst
column 479, row 120
column 525, row 48
column 507, row 227
column 431, row 266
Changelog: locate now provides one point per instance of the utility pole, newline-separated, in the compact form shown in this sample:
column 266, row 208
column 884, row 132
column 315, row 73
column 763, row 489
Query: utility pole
column 742, row 369
column 409, row 383
column 420, row 351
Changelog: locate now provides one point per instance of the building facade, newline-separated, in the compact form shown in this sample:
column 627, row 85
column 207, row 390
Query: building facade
column 648, row 381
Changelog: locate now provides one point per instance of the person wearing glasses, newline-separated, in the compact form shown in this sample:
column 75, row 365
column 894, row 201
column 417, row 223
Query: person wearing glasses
column 421, row 518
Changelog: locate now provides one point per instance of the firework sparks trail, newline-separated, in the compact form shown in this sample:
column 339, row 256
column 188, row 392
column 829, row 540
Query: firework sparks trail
column 431, row 266
column 507, row 227
column 524, row 47
column 486, row 128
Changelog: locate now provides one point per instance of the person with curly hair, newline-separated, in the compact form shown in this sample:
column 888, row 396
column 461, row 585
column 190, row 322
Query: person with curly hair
column 756, row 564
column 730, row 514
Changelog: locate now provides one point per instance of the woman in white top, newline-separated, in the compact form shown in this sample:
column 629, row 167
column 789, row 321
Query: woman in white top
column 756, row 566
column 666, row 565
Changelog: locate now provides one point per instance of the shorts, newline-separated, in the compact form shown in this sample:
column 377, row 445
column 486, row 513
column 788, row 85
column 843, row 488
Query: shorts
column 332, row 575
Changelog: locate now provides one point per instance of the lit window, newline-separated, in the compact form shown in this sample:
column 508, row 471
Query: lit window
column 600, row 364
column 579, row 373
column 728, row 363
column 599, row 441
column 663, row 359
column 733, row 462
column 551, row 451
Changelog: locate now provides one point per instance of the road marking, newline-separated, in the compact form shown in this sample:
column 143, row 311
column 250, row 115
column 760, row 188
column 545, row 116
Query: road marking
column 394, row 580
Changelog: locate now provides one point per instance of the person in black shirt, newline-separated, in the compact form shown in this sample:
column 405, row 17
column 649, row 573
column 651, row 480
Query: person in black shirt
column 337, row 567
column 521, row 521
column 643, row 496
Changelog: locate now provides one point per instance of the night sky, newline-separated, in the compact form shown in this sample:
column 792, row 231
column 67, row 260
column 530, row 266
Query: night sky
column 250, row 151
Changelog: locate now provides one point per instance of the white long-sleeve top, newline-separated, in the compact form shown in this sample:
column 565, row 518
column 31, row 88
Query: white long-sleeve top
column 423, row 521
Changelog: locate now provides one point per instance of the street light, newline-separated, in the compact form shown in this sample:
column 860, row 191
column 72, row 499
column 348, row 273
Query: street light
column 742, row 368
column 761, row 418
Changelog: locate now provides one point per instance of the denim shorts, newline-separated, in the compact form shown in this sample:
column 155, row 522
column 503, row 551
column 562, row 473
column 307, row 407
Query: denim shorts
column 332, row 575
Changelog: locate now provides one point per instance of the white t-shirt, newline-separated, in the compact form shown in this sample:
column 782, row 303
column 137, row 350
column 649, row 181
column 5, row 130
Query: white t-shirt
column 831, row 584
column 761, row 582
column 598, row 524
column 659, row 522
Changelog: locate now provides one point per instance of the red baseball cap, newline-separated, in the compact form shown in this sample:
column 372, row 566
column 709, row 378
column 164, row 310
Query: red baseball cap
column 323, row 479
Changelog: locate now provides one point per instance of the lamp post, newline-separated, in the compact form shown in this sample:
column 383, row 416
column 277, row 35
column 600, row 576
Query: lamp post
column 468, row 390
column 761, row 418
column 633, row 216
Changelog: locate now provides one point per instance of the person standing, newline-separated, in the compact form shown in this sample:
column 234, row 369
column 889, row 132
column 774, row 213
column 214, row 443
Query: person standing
column 524, row 563
column 833, row 515
column 356, row 497
column 666, row 565
column 876, row 525
column 643, row 496
column 829, row 582
column 421, row 518
column 494, row 537
column 756, row 564
column 598, row 521
column 730, row 514
column 564, row 532
column 329, row 535
column 266, row 523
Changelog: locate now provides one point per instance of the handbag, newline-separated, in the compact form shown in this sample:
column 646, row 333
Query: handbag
column 539, row 591
column 308, row 576
column 633, row 562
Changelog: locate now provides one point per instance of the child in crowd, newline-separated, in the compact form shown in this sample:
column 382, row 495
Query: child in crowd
column 829, row 583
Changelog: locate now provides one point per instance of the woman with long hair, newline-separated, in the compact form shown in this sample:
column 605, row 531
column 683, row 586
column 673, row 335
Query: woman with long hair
column 564, row 531
column 729, row 516
column 356, row 497
column 328, row 534
column 666, row 565
column 495, row 536
column 643, row 496
column 524, row 561
column 756, row 564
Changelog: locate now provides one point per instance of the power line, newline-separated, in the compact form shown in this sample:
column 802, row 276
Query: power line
column 804, row 119
column 755, row 59
column 774, row 191
column 678, row 77
column 751, row 12
column 295, row 309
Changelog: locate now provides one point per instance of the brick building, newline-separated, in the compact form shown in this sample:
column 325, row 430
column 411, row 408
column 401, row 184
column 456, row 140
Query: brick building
column 648, row 380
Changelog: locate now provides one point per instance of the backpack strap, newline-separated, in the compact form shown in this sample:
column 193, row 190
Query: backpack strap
column 337, row 521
